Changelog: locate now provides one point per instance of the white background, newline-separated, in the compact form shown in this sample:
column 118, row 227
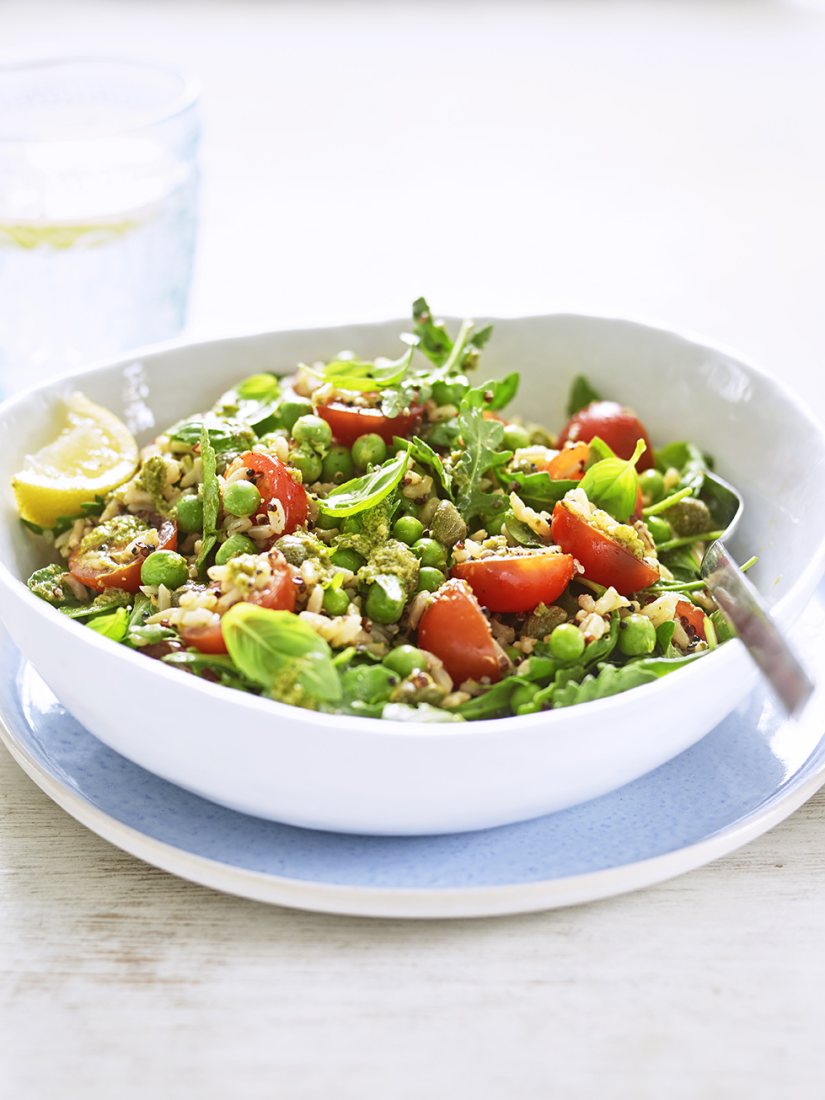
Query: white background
column 662, row 161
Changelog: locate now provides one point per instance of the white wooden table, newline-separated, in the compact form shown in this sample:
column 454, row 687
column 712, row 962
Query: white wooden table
column 664, row 162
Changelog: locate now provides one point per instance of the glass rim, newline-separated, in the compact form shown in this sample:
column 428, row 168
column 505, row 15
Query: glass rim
column 189, row 89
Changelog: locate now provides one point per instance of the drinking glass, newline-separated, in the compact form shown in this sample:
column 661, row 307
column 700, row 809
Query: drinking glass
column 98, row 190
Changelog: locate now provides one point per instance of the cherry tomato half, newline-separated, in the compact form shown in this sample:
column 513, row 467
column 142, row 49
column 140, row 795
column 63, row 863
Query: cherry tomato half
column 349, row 422
column 98, row 569
column 517, row 583
column 454, row 628
column 692, row 619
column 605, row 561
column 279, row 595
column 274, row 482
column 617, row 426
column 569, row 463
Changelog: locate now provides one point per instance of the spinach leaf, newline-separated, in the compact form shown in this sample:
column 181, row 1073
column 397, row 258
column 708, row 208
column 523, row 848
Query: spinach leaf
column 364, row 376
column 582, row 394
column 113, row 625
column 220, row 666
column 282, row 654
column 63, row 523
column 664, row 639
column 601, row 648
column 613, row 484
column 614, row 679
column 537, row 490
column 480, row 458
column 367, row 490
column 493, row 703
column 211, row 499
column 47, row 584
column 424, row 454
column 223, row 434
column 107, row 601
column 688, row 460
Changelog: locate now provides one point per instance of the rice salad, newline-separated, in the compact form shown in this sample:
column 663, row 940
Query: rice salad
column 381, row 538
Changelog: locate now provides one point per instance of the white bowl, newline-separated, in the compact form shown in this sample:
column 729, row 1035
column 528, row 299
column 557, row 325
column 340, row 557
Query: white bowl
column 370, row 776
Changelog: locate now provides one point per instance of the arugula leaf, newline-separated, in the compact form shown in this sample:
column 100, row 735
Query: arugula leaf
column 494, row 394
column 424, row 454
column 211, row 499
column 113, row 625
column 614, row 679
column 613, row 484
column 224, row 434
column 582, row 394
column 367, row 490
column 480, row 458
column 364, row 376
column 433, row 339
column 282, row 654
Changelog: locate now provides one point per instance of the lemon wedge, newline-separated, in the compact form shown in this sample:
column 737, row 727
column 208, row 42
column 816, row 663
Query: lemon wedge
column 93, row 454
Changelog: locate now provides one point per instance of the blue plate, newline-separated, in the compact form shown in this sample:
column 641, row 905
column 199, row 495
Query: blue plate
column 749, row 773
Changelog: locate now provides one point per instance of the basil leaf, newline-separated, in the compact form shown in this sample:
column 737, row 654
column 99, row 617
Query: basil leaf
column 368, row 490
column 614, row 679
column 358, row 374
column 424, row 454
column 224, row 434
column 114, row 625
column 282, row 654
column 613, row 484
column 259, row 387
column 211, row 499
column 582, row 394
column 253, row 401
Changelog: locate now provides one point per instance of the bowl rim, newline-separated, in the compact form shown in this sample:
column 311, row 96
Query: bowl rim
column 382, row 728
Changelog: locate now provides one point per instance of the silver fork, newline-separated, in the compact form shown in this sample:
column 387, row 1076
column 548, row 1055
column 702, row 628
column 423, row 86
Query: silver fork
column 743, row 606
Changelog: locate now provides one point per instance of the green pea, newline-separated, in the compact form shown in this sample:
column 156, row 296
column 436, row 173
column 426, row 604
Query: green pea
column 430, row 579
column 327, row 523
column 241, row 498
column 408, row 529
column 312, row 430
column 659, row 528
column 566, row 642
column 368, row 450
column 652, row 485
column 449, row 393
column 338, row 465
column 515, row 436
column 233, row 546
column 308, row 462
column 406, row 659
column 290, row 411
column 165, row 567
column 336, row 601
column 189, row 514
column 345, row 558
column 430, row 552
column 637, row 636
column 522, row 694
column 385, row 599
